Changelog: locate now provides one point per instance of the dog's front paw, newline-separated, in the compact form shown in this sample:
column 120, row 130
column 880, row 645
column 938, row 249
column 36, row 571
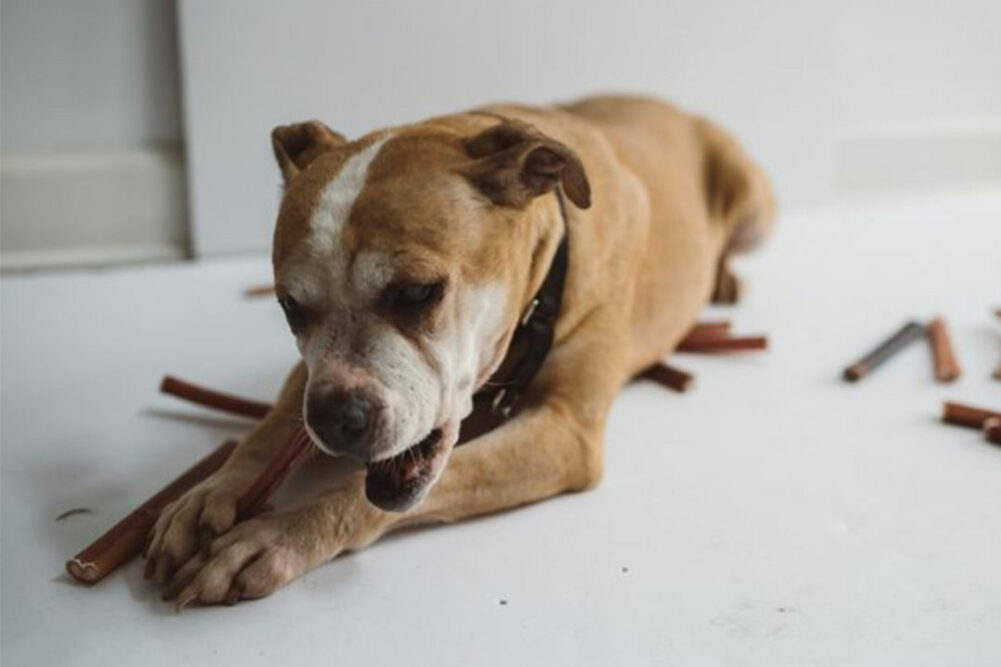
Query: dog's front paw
column 253, row 560
column 193, row 521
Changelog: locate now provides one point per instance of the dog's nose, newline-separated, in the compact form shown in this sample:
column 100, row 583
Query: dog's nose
column 343, row 419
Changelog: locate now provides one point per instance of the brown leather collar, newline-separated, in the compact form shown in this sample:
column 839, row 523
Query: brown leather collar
column 500, row 397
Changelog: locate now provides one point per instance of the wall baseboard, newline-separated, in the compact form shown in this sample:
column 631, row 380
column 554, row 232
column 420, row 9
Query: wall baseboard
column 92, row 208
column 919, row 157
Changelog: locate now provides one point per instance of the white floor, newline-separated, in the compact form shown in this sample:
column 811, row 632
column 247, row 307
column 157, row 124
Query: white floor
column 772, row 516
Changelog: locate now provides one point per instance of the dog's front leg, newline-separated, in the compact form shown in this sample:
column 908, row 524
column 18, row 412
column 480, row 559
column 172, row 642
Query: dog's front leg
column 542, row 453
column 209, row 509
column 546, row 451
column 260, row 555
column 551, row 447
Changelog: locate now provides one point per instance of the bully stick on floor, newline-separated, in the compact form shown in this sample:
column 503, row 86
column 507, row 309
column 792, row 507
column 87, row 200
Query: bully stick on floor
column 943, row 356
column 668, row 376
column 723, row 344
column 909, row 333
column 126, row 538
column 213, row 399
column 714, row 336
column 258, row 291
column 965, row 415
column 992, row 430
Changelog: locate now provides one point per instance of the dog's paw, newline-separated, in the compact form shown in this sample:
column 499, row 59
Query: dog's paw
column 728, row 289
column 254, row 559
column 193, row 521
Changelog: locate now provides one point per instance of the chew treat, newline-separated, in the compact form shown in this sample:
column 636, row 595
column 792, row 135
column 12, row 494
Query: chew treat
column 965, row 415
column 126, row 538
column 210, row 398
column 278, row 468
column 258, row 291
column 909, row 333
column 723, row 344
column 668, row 376
column 943, row 356
column 992, row 430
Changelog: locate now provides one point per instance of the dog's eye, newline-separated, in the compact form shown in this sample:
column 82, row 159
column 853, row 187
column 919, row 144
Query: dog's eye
column 293, row 312
column 416, row 296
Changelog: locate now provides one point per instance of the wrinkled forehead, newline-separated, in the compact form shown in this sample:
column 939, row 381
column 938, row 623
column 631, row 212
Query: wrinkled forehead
column 390, row 203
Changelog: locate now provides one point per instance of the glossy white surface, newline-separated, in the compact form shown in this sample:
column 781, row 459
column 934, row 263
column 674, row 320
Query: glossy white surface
column 771, row 516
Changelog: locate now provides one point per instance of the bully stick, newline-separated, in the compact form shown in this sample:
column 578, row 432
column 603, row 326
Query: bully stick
column 723, row 344
column 964, row 415
column 909, row 333
column 943, row 356
column 278, row 468
column 668, row 376
column 280, row 465
column 213, row 399
column 126, row 538
column 258, row 291
column 992, row 430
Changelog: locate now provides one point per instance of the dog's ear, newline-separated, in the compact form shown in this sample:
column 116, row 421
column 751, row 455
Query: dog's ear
column 514, row 163
column 299, row 144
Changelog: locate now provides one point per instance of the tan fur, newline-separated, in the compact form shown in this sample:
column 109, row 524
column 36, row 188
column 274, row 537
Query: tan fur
column 671, row 196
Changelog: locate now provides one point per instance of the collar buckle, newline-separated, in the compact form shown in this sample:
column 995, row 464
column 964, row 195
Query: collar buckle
column 529, row 311
column 501, row 407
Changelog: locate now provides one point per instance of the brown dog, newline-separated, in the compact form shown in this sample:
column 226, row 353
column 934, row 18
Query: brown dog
column 405, row 261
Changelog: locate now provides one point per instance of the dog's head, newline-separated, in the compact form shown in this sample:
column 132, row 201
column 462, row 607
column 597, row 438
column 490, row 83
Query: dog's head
column 402, row 261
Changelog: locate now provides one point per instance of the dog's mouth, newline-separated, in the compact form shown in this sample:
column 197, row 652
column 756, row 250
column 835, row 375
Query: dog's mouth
column 398, row 483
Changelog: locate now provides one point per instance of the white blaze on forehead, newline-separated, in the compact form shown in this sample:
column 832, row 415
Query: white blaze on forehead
column 373, row 271
column 338, row 198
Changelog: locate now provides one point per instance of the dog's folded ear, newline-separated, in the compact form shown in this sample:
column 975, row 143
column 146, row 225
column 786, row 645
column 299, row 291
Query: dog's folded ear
column 299, row 144
column 514, row 163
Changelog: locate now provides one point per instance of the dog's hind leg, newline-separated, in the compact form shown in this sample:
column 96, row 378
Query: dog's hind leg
column 739, row 198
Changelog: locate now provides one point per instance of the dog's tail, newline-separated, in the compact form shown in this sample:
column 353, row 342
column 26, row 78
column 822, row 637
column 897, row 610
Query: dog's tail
column 736, row 189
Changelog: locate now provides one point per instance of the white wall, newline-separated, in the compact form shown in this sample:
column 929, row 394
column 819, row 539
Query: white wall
column 100, row 73
column 918, row 94
column 854, row 96
column 91, row 165
column 815, row 89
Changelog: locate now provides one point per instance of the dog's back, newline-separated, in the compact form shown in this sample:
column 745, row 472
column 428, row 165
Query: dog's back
column 706, row 197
